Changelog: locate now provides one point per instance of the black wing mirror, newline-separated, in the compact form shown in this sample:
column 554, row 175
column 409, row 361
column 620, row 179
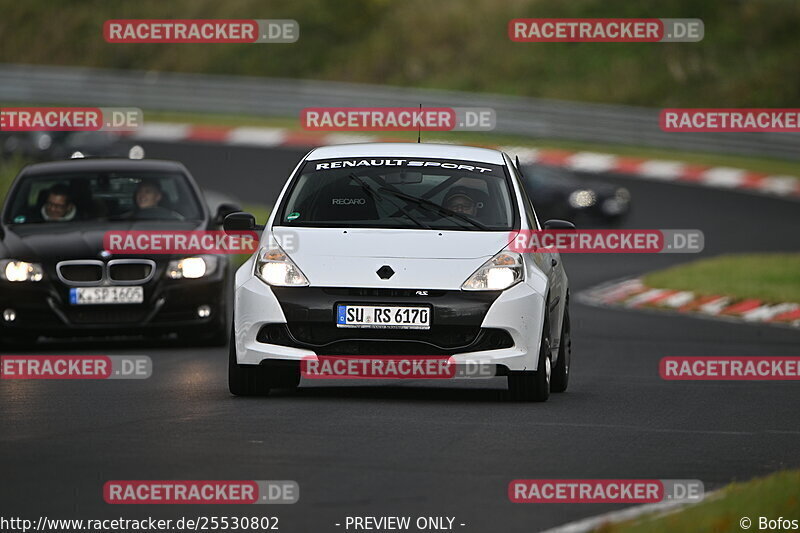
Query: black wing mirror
column 558, row 224
column 240, row 222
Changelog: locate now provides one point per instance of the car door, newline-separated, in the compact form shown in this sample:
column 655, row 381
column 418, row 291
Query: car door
column 549, row 262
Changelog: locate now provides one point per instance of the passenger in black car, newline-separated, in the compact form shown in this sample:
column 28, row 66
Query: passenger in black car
column 148, row 198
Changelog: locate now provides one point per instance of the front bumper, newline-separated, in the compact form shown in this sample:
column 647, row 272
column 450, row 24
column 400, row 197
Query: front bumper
column 499, row 328
column 43, row 309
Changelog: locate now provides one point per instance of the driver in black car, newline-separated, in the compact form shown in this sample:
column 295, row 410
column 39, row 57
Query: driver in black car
column 57, row 207
column 148, row 198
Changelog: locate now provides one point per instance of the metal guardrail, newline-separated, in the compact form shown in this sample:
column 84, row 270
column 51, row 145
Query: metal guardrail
column 533, row 117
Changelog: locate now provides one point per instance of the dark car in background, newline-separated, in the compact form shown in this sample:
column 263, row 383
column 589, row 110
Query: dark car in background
column 560, row 194
column 58, row 145
column 57, row 280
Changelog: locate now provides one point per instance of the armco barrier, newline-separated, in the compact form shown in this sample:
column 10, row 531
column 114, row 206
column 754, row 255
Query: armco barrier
column 533, row 117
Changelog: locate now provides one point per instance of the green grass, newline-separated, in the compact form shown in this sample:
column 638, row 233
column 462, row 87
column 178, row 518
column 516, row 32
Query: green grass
column 777, row 495
column 748, row 57
column 9, row 168
column 770, row 277
column 261, row 212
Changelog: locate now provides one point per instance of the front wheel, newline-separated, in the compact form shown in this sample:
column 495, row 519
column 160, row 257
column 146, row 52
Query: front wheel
column 533, row 385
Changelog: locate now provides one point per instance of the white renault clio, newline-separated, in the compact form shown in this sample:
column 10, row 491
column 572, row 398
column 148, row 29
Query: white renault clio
column 401, row 249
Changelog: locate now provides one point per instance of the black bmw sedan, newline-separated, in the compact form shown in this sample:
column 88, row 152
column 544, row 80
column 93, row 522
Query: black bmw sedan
column 57, row 279
column 560, row 194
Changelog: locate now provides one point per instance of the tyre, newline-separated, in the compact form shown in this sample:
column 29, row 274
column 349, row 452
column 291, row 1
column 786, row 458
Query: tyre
column 533, row 385
column 560, row 378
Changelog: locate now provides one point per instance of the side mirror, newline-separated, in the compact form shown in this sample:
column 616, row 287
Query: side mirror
column 558, row 224
column 240, row 222
column 223, row 210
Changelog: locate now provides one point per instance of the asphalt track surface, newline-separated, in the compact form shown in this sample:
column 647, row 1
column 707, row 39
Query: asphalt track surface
column 414, row 448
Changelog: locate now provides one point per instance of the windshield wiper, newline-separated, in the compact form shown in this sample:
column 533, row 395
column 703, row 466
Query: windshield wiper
column 377, row 194
column 433, row 206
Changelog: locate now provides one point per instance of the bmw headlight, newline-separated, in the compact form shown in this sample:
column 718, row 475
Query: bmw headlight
column 192, row 267
column 12, row 270
column 498, row 273
column 582, row 198
column 274, row 267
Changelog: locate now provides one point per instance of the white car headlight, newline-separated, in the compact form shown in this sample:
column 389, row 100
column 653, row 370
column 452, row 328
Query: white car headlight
column 192, row 267
column 12, row 270
column 274, row 267
column 498, row 273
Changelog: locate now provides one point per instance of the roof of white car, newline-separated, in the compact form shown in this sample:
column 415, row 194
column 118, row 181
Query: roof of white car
column 428, row 150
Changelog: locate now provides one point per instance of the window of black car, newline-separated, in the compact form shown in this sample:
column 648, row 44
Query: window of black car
column 400, row 193
column 102, row 196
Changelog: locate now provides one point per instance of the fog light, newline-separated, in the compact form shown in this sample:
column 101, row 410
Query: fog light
column 204, row 311
column 9, row 315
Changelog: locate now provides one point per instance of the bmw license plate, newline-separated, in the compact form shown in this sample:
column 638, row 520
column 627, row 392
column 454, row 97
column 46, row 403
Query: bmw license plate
column 106, row 295
column 383, row 316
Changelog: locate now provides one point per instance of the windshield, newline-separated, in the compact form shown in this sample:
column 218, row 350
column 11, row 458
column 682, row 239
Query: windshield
column 400, row 193
column 64, row 198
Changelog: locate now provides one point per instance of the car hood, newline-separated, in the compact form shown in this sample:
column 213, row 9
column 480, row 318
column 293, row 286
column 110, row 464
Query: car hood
column 49, row 242
column 423, row 259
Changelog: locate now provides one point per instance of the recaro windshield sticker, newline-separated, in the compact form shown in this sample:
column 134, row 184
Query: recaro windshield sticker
column 347, row 163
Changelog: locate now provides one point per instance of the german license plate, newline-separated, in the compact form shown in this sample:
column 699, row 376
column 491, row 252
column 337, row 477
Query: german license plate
column 106, row 295
column 383, row 316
